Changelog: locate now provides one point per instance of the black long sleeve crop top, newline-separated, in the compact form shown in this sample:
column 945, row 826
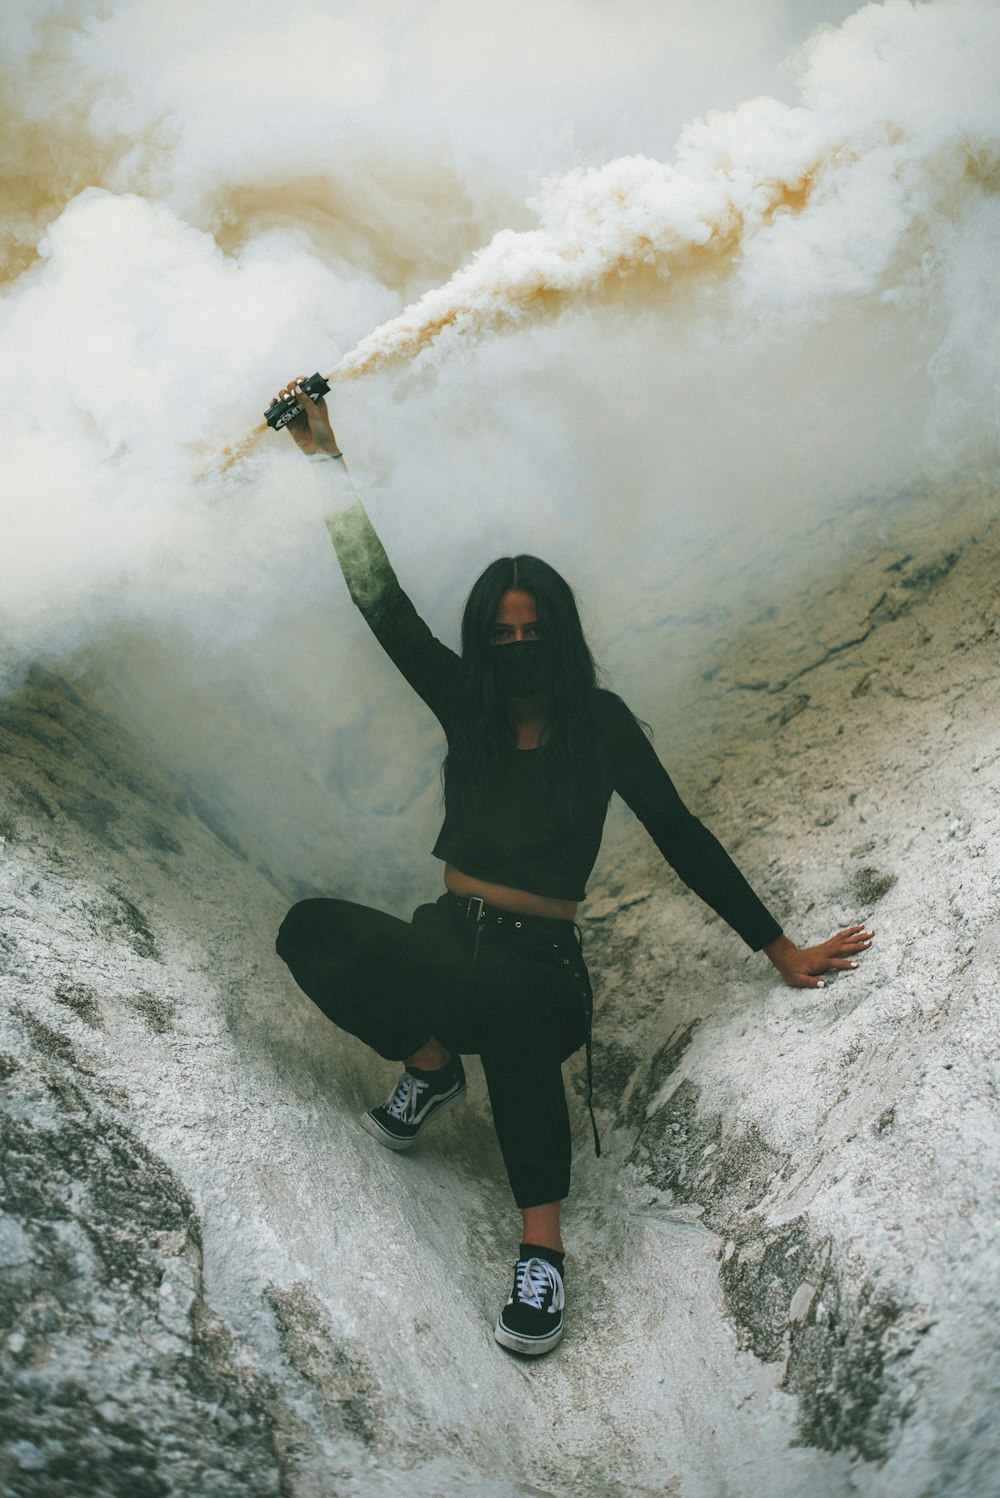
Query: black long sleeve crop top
column 520, row 839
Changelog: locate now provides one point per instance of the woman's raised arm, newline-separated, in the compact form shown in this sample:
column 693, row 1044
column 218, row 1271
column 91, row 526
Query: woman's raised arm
column 363, row 561
column 428, row 666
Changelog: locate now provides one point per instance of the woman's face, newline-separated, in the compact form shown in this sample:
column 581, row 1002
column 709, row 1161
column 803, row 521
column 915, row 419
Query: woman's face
column 517, row 618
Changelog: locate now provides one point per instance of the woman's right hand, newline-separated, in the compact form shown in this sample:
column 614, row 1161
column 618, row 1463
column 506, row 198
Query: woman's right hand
column 311, row 429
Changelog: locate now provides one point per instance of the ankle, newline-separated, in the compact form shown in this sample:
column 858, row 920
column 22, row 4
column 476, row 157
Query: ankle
column 541, row 1225
column 430, row 1057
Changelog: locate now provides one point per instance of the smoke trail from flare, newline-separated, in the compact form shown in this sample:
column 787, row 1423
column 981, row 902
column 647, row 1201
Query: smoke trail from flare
column 846, row 195
column 898, row 131
column 599, row 227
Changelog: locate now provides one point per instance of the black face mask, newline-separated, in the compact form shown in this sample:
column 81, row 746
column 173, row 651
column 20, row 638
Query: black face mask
column 522, row 667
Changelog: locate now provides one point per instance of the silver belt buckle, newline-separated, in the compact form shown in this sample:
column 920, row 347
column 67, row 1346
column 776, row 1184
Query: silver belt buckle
column 475, row 900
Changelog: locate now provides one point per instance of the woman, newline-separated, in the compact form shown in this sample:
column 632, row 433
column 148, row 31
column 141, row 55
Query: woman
column 495, row 966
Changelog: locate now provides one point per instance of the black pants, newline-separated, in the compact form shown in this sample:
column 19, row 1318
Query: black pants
column 512, row 989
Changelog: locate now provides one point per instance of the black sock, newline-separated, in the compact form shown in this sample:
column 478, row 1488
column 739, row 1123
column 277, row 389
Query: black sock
column 554, row 1256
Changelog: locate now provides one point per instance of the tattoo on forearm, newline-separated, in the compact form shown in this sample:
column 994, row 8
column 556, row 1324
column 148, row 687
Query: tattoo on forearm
column 362, row 558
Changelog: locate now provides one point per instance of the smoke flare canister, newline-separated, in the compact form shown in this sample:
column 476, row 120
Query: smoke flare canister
column 279, row 413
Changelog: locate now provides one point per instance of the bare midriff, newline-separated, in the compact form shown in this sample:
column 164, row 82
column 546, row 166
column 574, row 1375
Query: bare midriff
column 518, row 901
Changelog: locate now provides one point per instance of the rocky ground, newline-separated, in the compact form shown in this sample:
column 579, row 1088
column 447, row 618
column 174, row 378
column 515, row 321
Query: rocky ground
column 783, row 1271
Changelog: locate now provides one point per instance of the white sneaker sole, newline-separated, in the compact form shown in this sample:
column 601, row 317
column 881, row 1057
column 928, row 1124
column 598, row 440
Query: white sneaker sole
column 372, row 1126
column 530, row 1345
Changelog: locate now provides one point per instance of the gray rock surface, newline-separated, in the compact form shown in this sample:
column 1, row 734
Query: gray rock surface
column 783, row 1272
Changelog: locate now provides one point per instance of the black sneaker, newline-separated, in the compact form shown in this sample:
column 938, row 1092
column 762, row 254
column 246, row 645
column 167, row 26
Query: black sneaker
column 532, row 1320
column 417, row 1097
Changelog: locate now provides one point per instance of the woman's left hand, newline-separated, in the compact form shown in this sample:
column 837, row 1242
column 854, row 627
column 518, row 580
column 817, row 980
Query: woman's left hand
column 801, row 966
column 311, row 429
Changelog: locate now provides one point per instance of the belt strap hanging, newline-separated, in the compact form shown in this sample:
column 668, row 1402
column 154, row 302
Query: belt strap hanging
column 590, row 1095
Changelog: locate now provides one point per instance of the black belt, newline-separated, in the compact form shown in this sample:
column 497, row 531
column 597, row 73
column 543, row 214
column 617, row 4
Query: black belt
column 480, row 914
column 477, row 911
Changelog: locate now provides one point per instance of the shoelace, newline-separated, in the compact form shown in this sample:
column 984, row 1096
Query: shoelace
column 405, row 1100
column 533, row 1279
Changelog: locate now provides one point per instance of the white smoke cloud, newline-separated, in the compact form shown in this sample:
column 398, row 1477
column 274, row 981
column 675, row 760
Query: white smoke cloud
column 793, row 310
column 118, row 353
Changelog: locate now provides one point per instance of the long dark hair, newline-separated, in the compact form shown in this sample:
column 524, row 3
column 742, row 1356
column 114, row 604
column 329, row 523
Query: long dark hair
column 571, row 749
